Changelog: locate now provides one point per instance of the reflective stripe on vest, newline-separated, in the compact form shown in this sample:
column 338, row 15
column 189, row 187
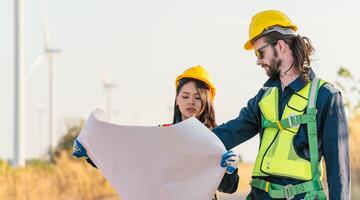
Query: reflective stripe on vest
column 277, row 155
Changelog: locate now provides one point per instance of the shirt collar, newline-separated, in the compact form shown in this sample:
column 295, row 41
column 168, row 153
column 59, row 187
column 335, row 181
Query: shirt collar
column 296, row 85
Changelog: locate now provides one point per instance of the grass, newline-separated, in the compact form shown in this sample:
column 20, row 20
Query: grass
column 65, row 179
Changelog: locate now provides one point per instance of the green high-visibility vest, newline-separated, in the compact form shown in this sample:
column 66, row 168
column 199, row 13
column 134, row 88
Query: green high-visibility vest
column 277, row 155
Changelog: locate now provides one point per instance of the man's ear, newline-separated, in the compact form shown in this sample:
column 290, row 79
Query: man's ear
column 282, row 46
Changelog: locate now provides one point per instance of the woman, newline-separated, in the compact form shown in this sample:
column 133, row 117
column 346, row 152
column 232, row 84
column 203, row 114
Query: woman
column 195, row 92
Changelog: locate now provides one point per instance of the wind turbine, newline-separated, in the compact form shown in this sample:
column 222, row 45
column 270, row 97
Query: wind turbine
column 108, row 86
column 49, row 54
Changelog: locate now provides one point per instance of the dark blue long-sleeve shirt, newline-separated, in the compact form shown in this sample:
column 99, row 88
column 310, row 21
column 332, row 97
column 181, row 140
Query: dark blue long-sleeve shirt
column 332, row 135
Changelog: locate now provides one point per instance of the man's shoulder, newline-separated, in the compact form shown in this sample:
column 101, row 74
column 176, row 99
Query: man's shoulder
column 328, row 89
column 327, row 92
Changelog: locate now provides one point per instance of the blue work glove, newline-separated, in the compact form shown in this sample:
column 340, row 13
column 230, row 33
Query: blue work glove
column 230, row 160
column 78, row 150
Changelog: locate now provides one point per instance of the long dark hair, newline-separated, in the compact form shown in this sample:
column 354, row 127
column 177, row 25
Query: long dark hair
column 301, row 48
column 207, row 112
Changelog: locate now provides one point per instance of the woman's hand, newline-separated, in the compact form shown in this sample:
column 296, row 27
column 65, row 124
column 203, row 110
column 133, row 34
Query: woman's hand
column 78, row 150
column 231, row 161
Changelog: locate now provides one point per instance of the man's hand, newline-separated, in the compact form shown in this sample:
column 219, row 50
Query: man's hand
column 78, row 150
column 230, row 160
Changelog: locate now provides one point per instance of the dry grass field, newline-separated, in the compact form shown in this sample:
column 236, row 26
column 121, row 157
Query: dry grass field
column 67, row 179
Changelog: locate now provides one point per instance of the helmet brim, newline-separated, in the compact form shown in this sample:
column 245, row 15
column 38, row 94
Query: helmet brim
column 248, row 46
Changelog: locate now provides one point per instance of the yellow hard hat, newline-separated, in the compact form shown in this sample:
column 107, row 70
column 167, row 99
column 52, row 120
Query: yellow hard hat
column 199, row 73
column 265, row 20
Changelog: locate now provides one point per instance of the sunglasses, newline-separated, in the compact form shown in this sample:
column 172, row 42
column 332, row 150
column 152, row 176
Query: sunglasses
column 260, row 52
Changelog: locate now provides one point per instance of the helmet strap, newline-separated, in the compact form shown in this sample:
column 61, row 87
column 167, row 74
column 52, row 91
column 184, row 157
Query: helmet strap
column 279, row 29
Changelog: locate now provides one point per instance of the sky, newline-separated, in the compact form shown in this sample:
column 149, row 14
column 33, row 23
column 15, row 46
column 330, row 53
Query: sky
column 142, row 46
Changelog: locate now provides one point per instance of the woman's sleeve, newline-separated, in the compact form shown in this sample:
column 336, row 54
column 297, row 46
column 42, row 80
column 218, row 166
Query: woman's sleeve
column 229, row 183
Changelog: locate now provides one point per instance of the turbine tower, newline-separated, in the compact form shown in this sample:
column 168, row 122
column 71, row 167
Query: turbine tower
column 108, row 86
column 52, row 125
column 19, row 93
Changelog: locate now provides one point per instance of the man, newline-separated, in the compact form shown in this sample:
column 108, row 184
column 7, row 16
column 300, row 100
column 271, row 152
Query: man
column 299, row 117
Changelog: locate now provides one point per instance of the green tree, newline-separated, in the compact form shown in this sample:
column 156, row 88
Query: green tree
column 66, row 142
column 350, row 88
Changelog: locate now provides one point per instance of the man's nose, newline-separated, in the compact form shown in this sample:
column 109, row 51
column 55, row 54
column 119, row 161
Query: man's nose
column 258, row 61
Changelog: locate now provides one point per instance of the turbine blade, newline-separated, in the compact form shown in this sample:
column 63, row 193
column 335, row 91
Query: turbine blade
column 34, row 66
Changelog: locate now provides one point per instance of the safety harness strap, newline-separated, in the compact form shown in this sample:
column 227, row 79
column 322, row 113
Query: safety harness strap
column 290, row 122
column 312, row 128
column 277, row 191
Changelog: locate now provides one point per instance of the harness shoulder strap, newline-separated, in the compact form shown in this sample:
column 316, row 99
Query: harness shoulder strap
column 312, row 127
column 267, row 90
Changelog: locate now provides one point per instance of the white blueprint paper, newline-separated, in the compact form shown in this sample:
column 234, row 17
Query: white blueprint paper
column 178, row 162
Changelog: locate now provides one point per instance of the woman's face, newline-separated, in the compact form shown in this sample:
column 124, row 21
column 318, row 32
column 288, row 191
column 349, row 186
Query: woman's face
column 189, row 101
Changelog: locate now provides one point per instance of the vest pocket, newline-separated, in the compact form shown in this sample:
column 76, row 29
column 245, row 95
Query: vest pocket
column 297, row 103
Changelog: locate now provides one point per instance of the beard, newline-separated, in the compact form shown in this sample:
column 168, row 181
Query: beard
column 274, row 67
